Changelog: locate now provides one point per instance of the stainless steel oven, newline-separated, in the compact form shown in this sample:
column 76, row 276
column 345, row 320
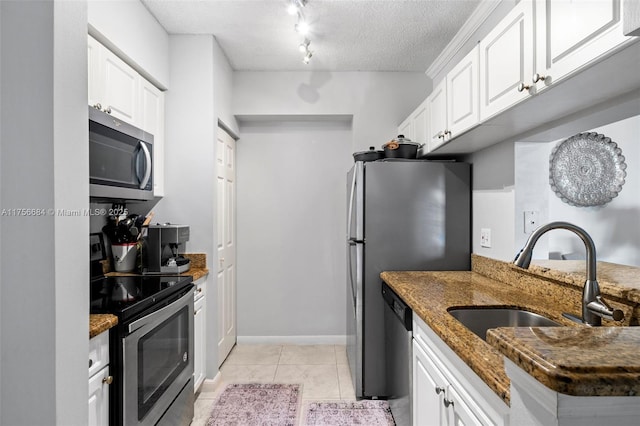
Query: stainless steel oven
column 158, row 365
column 151, row 348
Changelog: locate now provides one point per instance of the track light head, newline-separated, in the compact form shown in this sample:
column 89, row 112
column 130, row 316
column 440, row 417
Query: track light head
column 296, row 6
column 302, row 27
column 304, row 46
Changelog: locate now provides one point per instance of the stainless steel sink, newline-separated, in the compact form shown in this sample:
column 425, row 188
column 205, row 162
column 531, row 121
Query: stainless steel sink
column 479, row 320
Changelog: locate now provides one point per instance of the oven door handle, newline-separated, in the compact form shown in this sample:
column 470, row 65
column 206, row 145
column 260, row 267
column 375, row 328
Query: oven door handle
column 160, row 313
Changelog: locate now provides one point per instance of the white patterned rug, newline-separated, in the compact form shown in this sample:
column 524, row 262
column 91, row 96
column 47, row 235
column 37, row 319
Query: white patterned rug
column 360, row 413
column 256, row 405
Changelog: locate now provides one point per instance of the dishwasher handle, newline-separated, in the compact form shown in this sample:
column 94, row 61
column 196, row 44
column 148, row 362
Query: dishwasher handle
column 397, row 305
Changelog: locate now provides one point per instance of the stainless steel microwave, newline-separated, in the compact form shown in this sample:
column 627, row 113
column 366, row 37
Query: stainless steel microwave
column 120, row 159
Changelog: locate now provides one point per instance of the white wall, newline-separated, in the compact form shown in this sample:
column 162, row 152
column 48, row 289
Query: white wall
column 44, row 263
column 222, row 89
column 127, row 28
column 614, row 226
column 378, row 102
column 291, row 186
column 190, row 159
column 493, row 199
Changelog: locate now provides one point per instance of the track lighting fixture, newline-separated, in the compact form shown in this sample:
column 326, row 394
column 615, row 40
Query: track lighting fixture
column 307, row 57
column 296, row 6
column 302, row 27
column 304, row 46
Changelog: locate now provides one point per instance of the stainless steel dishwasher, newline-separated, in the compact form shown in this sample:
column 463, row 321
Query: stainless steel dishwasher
column 398, row 335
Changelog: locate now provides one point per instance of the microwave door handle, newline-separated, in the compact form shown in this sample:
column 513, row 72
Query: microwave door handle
column 147, row 169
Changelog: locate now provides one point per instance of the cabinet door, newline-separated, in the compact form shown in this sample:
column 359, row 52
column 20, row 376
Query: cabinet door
column 437, row 111
column 506, row 61
column 199, row 343
column 121, row 85
column 428, row 390
column 94, row 71
column 406, row 128
column 152, row 121
column 571, row 34
column 463, row 94
column 461, row 414
column 99, row 398
column 420, row 123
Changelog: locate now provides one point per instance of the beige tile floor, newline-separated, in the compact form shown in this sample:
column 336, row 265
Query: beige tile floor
column 322, row 370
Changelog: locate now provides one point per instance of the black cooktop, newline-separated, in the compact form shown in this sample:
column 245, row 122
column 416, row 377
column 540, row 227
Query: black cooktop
column 129, row 296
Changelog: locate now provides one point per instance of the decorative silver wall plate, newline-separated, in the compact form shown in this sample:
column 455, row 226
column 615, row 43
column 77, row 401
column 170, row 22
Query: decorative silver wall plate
column 587, row 169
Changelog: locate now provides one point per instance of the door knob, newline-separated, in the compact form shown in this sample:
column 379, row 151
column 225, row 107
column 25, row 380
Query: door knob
column 108, row 380
column 522, row 87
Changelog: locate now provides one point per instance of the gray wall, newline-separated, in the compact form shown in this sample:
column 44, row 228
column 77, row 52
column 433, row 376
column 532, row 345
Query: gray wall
column 44, row 268
column 190, row 159
column 291, row 186
column 378, row 101
column 305, row 285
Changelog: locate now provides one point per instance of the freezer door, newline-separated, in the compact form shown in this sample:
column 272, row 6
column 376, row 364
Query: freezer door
column 355, row 213
column 354, row 313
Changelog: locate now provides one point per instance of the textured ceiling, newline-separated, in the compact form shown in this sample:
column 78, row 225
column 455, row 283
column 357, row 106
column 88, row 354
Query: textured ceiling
column 347, row 35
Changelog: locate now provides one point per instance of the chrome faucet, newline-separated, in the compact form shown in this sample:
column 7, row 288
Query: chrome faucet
column 594, row 308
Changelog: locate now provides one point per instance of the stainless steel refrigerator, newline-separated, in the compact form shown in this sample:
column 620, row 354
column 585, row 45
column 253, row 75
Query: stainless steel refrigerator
column 403, row 215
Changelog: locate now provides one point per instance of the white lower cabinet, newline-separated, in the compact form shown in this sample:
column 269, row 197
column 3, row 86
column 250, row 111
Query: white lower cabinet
column 99, row 380
column 199, row 334
column 445, row 390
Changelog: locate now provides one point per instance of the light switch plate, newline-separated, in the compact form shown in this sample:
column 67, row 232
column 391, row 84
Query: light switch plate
column 485, row 237
column 531, row 221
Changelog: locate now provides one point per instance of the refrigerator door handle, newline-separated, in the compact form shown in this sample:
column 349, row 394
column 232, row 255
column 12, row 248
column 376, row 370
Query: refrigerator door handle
column 352, row 196
column 351, row 283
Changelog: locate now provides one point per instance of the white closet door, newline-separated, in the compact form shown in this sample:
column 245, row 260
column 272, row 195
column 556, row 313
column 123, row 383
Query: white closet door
column 226, row 232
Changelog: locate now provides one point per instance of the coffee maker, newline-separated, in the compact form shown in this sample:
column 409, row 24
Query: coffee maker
column 162, row 244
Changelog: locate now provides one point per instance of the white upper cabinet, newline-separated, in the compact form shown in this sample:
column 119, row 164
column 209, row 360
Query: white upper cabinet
column 113, row 85
column 571, row 34
column 121, row 88
column 406, row 128
column 463, row 95
column 506, row 61
column 420, row 118
column 94, row 72
column 152, row 121
column 453, row 104
column 437, row 108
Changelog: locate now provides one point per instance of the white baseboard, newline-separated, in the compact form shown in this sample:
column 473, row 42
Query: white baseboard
column 293, row 340
column 210, row 385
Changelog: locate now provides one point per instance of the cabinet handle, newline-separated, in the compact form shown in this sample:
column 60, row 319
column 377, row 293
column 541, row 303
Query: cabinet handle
column 108, row 380
column 522, row 87
column 447, row 132
column 108, row 110
column 447, row 402
column 98, row 106
column 200, row 290
column 441, row 135
column 439, row 390
column 538, row 77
